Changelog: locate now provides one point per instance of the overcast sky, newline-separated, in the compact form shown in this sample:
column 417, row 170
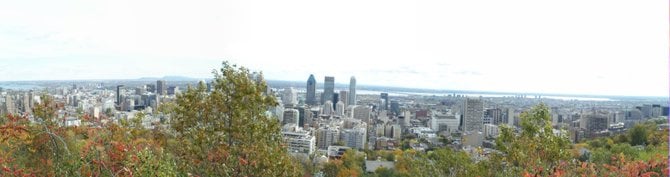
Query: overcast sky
column 571, row 46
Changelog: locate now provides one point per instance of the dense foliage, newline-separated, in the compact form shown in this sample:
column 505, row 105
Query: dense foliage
column 222, row 133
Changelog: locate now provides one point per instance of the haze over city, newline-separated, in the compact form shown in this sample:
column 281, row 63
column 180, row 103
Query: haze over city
column 573, row 47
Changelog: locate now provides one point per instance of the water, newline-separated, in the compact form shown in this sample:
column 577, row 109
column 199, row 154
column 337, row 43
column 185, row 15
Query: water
column 488, row 95
column 20, row 87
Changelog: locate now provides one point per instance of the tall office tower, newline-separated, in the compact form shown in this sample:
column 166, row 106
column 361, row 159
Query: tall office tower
column 118, row 94
column 510, row 116
column 291, row 116
column 308, row 117
column 289, row 97
column 646, row 110
column 385, row 97
column 328, row 89
column 311, row 91
column 31, row 100
column 26, row 103
column 336, row 98
column 151, row 88
column 352, row 91
column 395, row 107
column 339, row 108
column 593, row 121
column 473, row 114
column 327, row 108
column 496, row 115
column 10, row 108
column 344, row 97
column 161, row 87
column 301, row 116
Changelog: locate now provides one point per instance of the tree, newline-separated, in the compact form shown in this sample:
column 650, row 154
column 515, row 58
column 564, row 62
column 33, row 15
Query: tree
column 638, row 135
column 536, row 145
column 226, row 132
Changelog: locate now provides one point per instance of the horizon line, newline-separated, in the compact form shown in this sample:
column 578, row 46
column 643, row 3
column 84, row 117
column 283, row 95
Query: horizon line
column 186, row 78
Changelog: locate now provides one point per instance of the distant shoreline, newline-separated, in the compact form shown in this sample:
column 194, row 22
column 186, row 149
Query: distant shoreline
column 38, row 85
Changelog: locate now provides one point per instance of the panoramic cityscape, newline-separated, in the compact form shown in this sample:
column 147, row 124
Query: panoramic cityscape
column 334, row 88
column 320, row 120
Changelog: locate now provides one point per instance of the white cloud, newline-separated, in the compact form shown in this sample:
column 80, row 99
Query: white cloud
column 572, row 46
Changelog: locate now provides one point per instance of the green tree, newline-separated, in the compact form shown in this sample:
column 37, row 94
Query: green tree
column 536, row 145
column 226, row 132
column 638, row 135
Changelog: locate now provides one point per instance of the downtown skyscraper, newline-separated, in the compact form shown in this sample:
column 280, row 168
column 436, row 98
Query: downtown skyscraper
column 161, row 87
column 311, row 91
column 352, row 91
column 328, row 89
column 473, row 112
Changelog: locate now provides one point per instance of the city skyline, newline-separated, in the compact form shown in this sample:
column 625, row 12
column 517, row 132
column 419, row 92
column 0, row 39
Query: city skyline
column 501, row 46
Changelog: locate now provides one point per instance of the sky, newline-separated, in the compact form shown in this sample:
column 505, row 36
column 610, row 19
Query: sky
column 599, row 47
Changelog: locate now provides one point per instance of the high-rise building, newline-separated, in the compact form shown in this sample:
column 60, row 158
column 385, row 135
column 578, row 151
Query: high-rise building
column 336, row 99
column 291, row 116
column 301, row 116
column 473, row 115
column 26, row 103
column 128, row 105
column 289, row 97
column 344, row 97
column 646, row 110
column 352, row 91
column 161, row 87
column 594, row 121
column 496, row 115
column 311, row 91
column 118, row 94
column 361, row 112
column 326, row 136
column 327, row 108
column 354, row 137
column 339, row 108
column 395, row 107
column 10, row 107
column 31, row 96
column 385, row 98
column 392, row 131
column 299, row 142
column 328, row 89
column 509, row 117
column 656, row 110
column 308, row 117
column 151, row 88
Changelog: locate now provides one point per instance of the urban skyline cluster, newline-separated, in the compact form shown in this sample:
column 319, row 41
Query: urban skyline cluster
column 379, row 121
